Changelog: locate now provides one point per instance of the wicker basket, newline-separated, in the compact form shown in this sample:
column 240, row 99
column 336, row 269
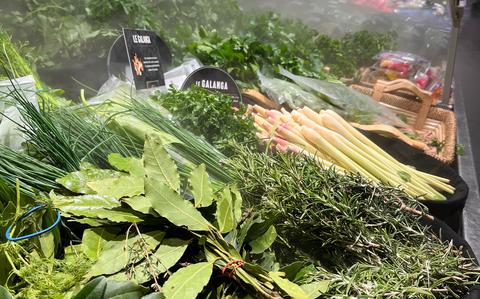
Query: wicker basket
column 416, row 105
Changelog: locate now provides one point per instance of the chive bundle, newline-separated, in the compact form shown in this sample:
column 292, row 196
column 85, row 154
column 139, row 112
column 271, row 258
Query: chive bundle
column 32, row 173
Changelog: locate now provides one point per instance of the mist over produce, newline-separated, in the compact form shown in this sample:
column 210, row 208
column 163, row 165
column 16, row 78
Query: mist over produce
column 107, row 191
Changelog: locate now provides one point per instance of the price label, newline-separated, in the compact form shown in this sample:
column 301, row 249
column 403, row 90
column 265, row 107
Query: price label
column 143, row 51
column 215, row 79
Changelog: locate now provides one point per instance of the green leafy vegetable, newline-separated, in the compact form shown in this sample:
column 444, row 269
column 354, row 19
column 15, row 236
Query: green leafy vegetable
column 4, row 293
column 210, row 115
column 188, row 282
column 94, row 240
column 225, row 217
column 123, row 186
column 140, row 204
column 315, row 289
column 77, row 181
column 93, row 206
column 289, row 287
column 132, row 165
column 84, row 204
column 116, row 254
column 103, row 288
column 200, row 186
column 159, row 166
column 165, row 257
column 171, row 205
column 263, row 242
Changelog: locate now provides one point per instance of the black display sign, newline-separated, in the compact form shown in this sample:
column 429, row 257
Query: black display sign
column 144, row 58
column 216, row 79
column 118, row 63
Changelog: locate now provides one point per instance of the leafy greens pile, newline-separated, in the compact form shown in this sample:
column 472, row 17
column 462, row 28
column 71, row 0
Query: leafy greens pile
column 239, row 41
column 211, row 116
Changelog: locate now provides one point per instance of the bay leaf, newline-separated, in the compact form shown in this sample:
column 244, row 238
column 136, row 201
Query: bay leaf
column 188, row 282
column 315, row 289
column 4, row 293
column 200, row 186
column 140, row 129
column 263, row 242
column 124, row 290
column 86, row 203
column 244, row 229
column 170, row 252
column 94, row 289
column 116, row 254
column 292, row 289
column 292, row 269
column 94, row 240
column 237, row 204
column 132, row 165
column 94, row 206
column 158, row 163
column 91, row 222
column 124, row 186
column 77, row 181
column 115, row 215
column 225, row 216
column 140, row 204
column 166, row 256
column 102, row 288
column 171, row 205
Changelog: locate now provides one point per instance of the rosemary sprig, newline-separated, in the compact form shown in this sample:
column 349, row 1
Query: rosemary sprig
column 360, row 234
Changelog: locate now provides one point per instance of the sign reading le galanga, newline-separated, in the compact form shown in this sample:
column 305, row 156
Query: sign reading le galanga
column 144, row 57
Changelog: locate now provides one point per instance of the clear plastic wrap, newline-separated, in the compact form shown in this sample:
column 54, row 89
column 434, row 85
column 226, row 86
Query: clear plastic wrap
column 402, row 65
column 290, row 94
column 10, row 118
column 351, row 104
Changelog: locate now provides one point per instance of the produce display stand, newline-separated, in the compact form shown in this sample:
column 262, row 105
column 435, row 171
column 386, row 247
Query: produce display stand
column 239, row 163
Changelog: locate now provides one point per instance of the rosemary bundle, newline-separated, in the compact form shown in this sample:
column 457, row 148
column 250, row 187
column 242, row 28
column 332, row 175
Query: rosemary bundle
column 347, row 225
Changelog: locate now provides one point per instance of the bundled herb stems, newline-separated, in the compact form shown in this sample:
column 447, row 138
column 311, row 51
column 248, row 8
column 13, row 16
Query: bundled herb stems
column 330, row 139
column 360, row 234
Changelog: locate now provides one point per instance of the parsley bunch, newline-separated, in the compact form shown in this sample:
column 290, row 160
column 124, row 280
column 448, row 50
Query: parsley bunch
column 210, row 115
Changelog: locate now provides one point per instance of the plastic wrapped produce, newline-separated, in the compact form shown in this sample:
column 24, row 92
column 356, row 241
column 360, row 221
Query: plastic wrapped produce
column 351, row 104
column 290, row 94
column 10, row 119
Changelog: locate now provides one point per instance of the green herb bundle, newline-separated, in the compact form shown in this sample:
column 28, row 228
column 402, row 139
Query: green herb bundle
column 210, row 115
column 143, row 230
column 13, row 64
column 33, row 174
column 10, row 59
column 190, row 147
column 268, row 41
column 347, row 224
column 68, row 136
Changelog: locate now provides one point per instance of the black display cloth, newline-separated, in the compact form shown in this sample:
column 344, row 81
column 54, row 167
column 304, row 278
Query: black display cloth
column 450, row 210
